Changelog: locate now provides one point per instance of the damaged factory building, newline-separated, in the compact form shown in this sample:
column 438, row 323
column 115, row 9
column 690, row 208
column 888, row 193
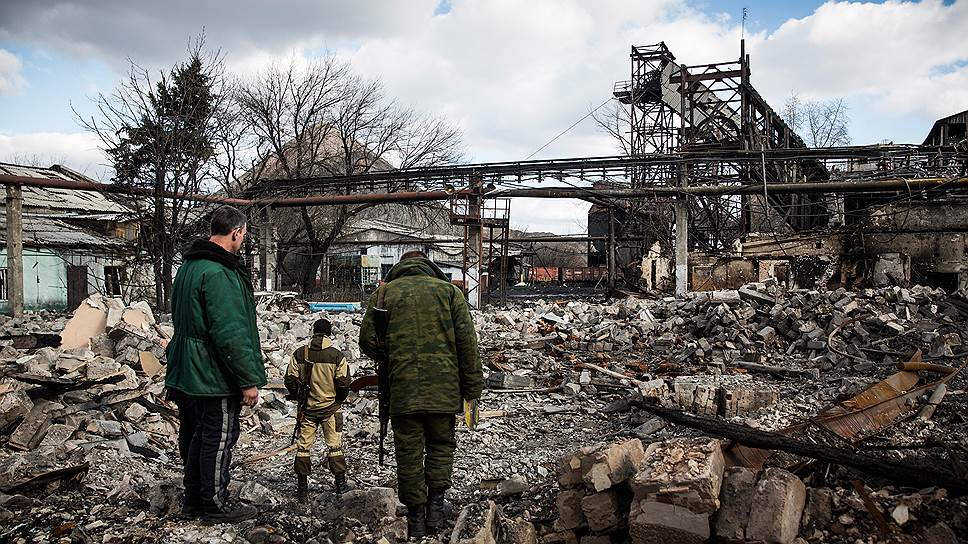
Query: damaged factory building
column 755, row 340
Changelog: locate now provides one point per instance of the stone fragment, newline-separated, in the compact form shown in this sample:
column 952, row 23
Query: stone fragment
column 818, row 511
column 570, row 515
column 777, row 507
column 569, row 468
column 515, row 485
column 611, row 465
column 602, row 511
column 653, row 522
column 767, row 334
column 370, row 505
column 34, row 426
column 685, row 472
column 57, row 434
column 736, row 498
column 13, row 406
column 939, row 533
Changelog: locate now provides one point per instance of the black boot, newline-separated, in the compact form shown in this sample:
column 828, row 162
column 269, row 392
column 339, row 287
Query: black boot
column 435, row 510
column 339, row 481
column 302, row 488
column 416, row 522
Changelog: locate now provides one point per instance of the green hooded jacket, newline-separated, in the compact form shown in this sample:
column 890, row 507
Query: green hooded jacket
column 215, row 351
column 431, row 342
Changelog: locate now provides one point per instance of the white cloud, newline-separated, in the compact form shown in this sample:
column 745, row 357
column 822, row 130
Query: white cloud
column 515, row 74
column 11, row 80
column 76, row 150
column 909, row 57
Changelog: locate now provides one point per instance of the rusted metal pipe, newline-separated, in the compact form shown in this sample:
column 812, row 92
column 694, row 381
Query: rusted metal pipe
column 540, row 192
column 77, row 185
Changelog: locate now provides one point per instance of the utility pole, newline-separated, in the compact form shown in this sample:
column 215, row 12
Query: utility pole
column 15, row 250
column 682, row 237
column 267, row 251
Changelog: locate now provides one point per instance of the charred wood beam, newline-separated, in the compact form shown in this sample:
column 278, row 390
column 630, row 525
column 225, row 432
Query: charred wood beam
column 905, row 473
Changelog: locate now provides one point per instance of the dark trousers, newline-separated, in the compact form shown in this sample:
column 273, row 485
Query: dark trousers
column 209, row 429
column 424, row 445
column 186, row 421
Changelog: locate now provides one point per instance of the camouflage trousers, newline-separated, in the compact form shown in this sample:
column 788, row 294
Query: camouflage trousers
column 424, row 445
column 332, row 427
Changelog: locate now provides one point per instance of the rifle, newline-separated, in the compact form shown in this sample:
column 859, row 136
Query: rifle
column 381, row 321
column 302, row 397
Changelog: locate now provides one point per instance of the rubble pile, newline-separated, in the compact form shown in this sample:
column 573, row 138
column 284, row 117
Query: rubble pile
column 89, row 442
column 758, row 324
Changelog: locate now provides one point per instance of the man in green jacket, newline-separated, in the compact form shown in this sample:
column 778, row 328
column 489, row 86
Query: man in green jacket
column 214, row 363
column 434, row 366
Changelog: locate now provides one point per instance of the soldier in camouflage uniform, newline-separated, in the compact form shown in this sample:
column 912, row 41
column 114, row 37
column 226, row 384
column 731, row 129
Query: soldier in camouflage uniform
column 318, row 378
column 434, row 365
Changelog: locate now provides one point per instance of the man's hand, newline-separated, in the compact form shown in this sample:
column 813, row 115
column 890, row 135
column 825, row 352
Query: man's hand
column 250, row 396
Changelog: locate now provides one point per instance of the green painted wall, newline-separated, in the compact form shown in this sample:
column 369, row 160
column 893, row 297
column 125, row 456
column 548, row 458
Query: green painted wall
column 45, row 277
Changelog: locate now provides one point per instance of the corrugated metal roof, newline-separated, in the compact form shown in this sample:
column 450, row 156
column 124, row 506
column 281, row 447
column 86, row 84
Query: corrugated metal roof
column 79, row 203
column 40, row 231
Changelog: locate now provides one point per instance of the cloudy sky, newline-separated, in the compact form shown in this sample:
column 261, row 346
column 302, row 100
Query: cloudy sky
column 512, row 74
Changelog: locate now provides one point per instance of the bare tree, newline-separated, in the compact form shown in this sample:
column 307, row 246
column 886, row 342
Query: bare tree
column 159, row 132
column 323, row 120
column 820, row 123
column 615, row 121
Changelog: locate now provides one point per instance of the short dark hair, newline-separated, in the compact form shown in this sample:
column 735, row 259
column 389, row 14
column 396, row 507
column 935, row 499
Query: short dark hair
column 323, row 326
column 413, row 255
column 225, row 219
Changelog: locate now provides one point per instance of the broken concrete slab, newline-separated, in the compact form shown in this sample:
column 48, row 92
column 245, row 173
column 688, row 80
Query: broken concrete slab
column 651, row 522
column 88, row 321
column 687, row 472
column 611, row 465
column 34, row 426
column 736, row 499
column 570, row 514
column 778, row 502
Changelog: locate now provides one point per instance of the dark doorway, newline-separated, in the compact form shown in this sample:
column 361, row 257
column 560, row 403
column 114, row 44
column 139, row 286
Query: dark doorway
column 76, row 286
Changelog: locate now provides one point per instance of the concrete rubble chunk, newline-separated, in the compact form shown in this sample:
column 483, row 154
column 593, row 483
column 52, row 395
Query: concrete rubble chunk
column 736, row 498
column 611, row 465
column 778, row 502
column 570, row 514
column 370, row 505
column 687, row 472
column 652, row 522
column 603, row 511
column 34, row 426
column 515, row 485
column 13, row 406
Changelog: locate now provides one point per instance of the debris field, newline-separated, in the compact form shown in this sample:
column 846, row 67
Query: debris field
column 757, row 415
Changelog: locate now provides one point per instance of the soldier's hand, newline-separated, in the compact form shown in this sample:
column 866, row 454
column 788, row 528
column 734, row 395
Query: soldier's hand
column 250, row 396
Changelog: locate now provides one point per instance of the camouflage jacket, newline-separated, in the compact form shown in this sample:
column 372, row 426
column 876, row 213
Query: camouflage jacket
column 431, row 342
column 323, row 368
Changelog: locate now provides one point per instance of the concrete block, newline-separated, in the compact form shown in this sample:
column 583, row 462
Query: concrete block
column 570, row 515
column 653, row 522
column 602, row 511
column 611, row 465
column 777, row 506
column 569, row 468
column 735, row 497
column 686, row 472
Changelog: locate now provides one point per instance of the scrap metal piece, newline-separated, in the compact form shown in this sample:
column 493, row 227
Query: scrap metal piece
column 863, row 415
